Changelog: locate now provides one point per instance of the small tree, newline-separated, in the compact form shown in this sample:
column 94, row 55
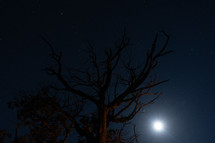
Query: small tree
column 48, row 118
column 113, row 86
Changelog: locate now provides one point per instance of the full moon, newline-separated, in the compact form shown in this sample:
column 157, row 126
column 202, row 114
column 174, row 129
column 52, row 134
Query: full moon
column 158, row 126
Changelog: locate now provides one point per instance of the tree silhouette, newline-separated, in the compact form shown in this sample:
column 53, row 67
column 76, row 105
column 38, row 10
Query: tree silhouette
column 110, row 90
column 116, row 95
column 50, row 119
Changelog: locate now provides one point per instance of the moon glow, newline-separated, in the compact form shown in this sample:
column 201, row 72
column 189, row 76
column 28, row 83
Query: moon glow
column 158, row 126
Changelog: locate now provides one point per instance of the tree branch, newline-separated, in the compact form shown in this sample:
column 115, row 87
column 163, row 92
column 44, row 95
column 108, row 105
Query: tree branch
column 57, row 73
column 143, row 75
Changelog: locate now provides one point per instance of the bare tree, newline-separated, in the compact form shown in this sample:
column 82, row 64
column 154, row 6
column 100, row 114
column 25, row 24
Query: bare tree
column 117, row 96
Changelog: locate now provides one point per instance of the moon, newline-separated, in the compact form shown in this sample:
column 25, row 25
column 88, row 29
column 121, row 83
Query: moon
column 158, row 126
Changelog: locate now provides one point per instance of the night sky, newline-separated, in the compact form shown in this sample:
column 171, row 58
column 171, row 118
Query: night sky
column 187, row 104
